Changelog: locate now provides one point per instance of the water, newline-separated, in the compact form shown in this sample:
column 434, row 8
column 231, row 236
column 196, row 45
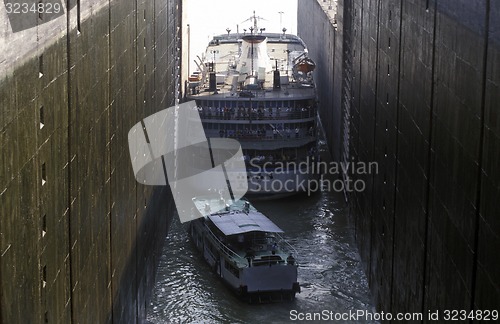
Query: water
column 330, row 272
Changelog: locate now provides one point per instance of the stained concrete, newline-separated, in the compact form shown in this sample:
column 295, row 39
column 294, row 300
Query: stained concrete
column 80, row 239
column 416, row 90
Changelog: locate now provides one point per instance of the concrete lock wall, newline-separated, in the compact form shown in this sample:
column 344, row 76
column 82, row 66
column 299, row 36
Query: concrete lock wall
column 416, row 89
column 79, row 238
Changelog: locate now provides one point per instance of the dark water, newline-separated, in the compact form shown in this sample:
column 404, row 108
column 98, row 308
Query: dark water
column 330, row 272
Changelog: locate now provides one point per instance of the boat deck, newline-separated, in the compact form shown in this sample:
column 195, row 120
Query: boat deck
column 224, row 50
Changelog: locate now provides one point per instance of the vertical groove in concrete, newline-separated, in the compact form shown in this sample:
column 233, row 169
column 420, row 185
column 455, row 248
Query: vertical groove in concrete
column 356, row 99
column 372, row 197
column 68, row 158
column 109, row 177
column 396, row 167
column 480, row 154
column 137, row 117
column 429, row 157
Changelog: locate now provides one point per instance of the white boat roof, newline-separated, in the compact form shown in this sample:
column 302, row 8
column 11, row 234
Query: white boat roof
column 240, row 222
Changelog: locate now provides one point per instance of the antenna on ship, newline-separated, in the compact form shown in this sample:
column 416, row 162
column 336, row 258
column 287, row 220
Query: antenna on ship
column 281, row 18
column 254, row 19
column 251, row 32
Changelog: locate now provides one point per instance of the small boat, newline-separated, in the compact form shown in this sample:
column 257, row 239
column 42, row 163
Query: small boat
column 245, row 249
column 196, row 76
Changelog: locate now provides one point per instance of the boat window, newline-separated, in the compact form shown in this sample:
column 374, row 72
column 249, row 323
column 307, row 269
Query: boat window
column 231, row 268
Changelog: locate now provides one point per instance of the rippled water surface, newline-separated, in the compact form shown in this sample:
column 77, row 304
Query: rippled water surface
column 330, row 272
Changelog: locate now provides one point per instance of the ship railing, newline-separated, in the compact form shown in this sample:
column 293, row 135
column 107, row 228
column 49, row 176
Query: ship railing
column 223, row 247
column 268, row 260
column 283, row 241
column 280, row 242
column 277, row 243
column 266, row 136
column 258, row 164
column 256, row 116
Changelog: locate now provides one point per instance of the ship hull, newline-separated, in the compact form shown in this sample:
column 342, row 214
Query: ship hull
column 258, row 284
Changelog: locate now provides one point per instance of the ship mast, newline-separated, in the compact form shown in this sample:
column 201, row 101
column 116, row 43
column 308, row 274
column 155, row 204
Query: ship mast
column 251, row 31
column 254, row 18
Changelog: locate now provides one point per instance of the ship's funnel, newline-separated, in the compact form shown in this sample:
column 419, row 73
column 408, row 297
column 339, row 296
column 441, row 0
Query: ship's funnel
column 212, row 82
column 276, row 80
column 254, row 56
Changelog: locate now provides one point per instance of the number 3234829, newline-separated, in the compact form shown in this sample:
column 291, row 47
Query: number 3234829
column 477, row 314
column 40, row 7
